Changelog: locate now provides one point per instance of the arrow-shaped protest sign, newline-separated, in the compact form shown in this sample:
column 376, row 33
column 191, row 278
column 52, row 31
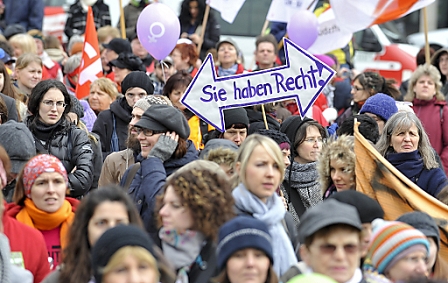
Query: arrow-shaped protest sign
column 302, row 78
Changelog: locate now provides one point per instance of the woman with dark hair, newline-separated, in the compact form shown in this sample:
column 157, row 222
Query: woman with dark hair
column 174, row 89
column 364, row 86
column 440, row 61
column 163, row 135
column 301, row 185
column 100, row 210
column 245, row 247
column 54, row 134
column 189, row 222
column 405, row 144
column 191, row 17
column 185, row 57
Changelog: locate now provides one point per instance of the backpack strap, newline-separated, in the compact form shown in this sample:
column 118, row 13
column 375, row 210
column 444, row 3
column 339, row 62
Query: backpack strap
column 131, row 176
column 441, row 114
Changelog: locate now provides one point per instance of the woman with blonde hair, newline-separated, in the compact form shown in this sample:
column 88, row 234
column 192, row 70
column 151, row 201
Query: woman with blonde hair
column 28, row 72
column 430, row 107
column 261, row 168
column 336, row 166
column 405, row 144
column 23, row 43
column 102, row 93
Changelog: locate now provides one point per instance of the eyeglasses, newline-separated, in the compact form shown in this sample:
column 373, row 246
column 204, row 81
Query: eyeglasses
column 147, row 132
column 51, row 103
column 330, row 249
column 356, row 88
column 314, row 140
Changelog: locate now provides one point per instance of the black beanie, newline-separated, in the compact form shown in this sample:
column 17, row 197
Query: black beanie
column 368, row 208
column 277, row 136
column 137, row 79
column 114, row 239
column 235, row 116
column 422, row 222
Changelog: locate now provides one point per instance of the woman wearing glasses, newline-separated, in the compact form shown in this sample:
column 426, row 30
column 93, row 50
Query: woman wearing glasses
column 163, row 134
column 112, row 124
column 53, row 133
column 364, row 86
column 301, row 186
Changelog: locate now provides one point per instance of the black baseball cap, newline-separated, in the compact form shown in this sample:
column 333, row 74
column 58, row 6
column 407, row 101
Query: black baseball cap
column 119, row 45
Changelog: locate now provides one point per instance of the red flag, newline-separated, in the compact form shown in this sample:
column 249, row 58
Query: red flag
column 90, row 68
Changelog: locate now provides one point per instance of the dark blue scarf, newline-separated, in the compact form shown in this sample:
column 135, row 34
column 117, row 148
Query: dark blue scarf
column 408, row 163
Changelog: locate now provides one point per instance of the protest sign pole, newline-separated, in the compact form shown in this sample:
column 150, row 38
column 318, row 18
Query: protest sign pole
column 122, row 23
column 204, row 24
column 425, row 28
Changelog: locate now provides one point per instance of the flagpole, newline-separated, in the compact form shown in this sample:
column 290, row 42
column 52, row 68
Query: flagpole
column 263, row 30
column 204, row 24
column 425, row 28
column 122, row 23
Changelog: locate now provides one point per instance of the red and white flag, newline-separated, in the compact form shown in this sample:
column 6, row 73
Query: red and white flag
column 228, row 8
column 282, row 11
column 355, row 15
column 90, row 68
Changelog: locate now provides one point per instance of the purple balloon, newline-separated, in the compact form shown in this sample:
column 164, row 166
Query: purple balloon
column 303, row 28
column 158, row 30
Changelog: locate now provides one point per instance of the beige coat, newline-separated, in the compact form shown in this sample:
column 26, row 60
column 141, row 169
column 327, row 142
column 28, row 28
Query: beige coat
column 114, row 167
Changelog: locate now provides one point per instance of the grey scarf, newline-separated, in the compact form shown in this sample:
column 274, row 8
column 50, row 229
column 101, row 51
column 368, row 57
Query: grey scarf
column 305, row 179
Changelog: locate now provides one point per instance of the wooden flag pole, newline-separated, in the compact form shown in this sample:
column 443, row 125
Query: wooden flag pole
column 425, row 28
column 122, row 23
column 263, row 30
column 204, row 24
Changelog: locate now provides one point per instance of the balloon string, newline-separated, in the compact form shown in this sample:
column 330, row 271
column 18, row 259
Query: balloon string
column 163, row 70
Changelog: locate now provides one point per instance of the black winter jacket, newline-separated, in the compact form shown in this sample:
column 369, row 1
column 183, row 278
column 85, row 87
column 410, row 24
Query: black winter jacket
column 103, row 127
column 72, row 146
column 76, row 20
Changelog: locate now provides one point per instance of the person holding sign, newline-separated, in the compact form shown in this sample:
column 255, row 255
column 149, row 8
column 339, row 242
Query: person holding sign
column 228, row 59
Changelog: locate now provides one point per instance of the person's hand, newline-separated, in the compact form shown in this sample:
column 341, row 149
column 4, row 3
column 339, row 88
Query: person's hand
column 184, row 35
column 165, row 146
column 195, row 38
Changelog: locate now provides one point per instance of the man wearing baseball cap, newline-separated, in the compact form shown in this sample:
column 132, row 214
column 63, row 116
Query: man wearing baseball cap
column 330, row 234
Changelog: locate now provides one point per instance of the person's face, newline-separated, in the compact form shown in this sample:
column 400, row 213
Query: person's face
column 262, row 173
column 164, row 74
column 17, row 49
column 411, row 266
column 248, row 265
column 236, row 135
column 138, row 49
column 104, row 62
column 443, row 64
column 98, row 99
column 336, row 256
column 29, row 76
column 194, row 9
column 39, row 45
column 110, row 55
column 226, row 168
column 405, row 141
column 48, row 191
column 265, row 54
column 425, row 88
column 51, row 114
column 179, row 63
column 119, row 74
column 309, row 150
column 107, row 214
column 133, row 94
column 176, row 95
column 227, row 54
column 131, row 269
column 358, row 92
column 342, row 179
column 380, row 122
column 136, row 116
column 286, row 154
column 366, row 234
column 2, row 81
column 174, row 215
column 147, row 142
column 432, row 254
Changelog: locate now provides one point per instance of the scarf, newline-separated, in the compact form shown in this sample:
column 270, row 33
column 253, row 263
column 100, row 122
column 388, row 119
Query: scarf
column 44, row 131
column 272, row 214
column 181, row 250
column 408, row 163
column 35, row 218
column 305, row 179
column 227, row 72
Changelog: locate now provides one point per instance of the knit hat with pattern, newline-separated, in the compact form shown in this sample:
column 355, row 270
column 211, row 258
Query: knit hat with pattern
column 391, row 241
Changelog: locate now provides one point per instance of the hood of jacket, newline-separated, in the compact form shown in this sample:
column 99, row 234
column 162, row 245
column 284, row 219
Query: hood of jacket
column 121, row 109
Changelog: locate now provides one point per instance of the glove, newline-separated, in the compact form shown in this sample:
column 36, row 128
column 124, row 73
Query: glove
column 164, row 148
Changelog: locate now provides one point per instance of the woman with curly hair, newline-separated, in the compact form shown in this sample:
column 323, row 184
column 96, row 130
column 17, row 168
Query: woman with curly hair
column 405, row 144
column 190, row 222
column 260, row 167
column 336, row 166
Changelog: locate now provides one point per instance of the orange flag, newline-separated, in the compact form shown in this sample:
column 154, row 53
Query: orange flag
column 396, row 194
column 90, row 68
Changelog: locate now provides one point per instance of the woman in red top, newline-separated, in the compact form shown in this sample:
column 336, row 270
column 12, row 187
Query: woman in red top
column 40, row 202
column 185, row 57
column 228, row 59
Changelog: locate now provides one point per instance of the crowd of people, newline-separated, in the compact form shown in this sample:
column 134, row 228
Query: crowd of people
column 128, row 185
